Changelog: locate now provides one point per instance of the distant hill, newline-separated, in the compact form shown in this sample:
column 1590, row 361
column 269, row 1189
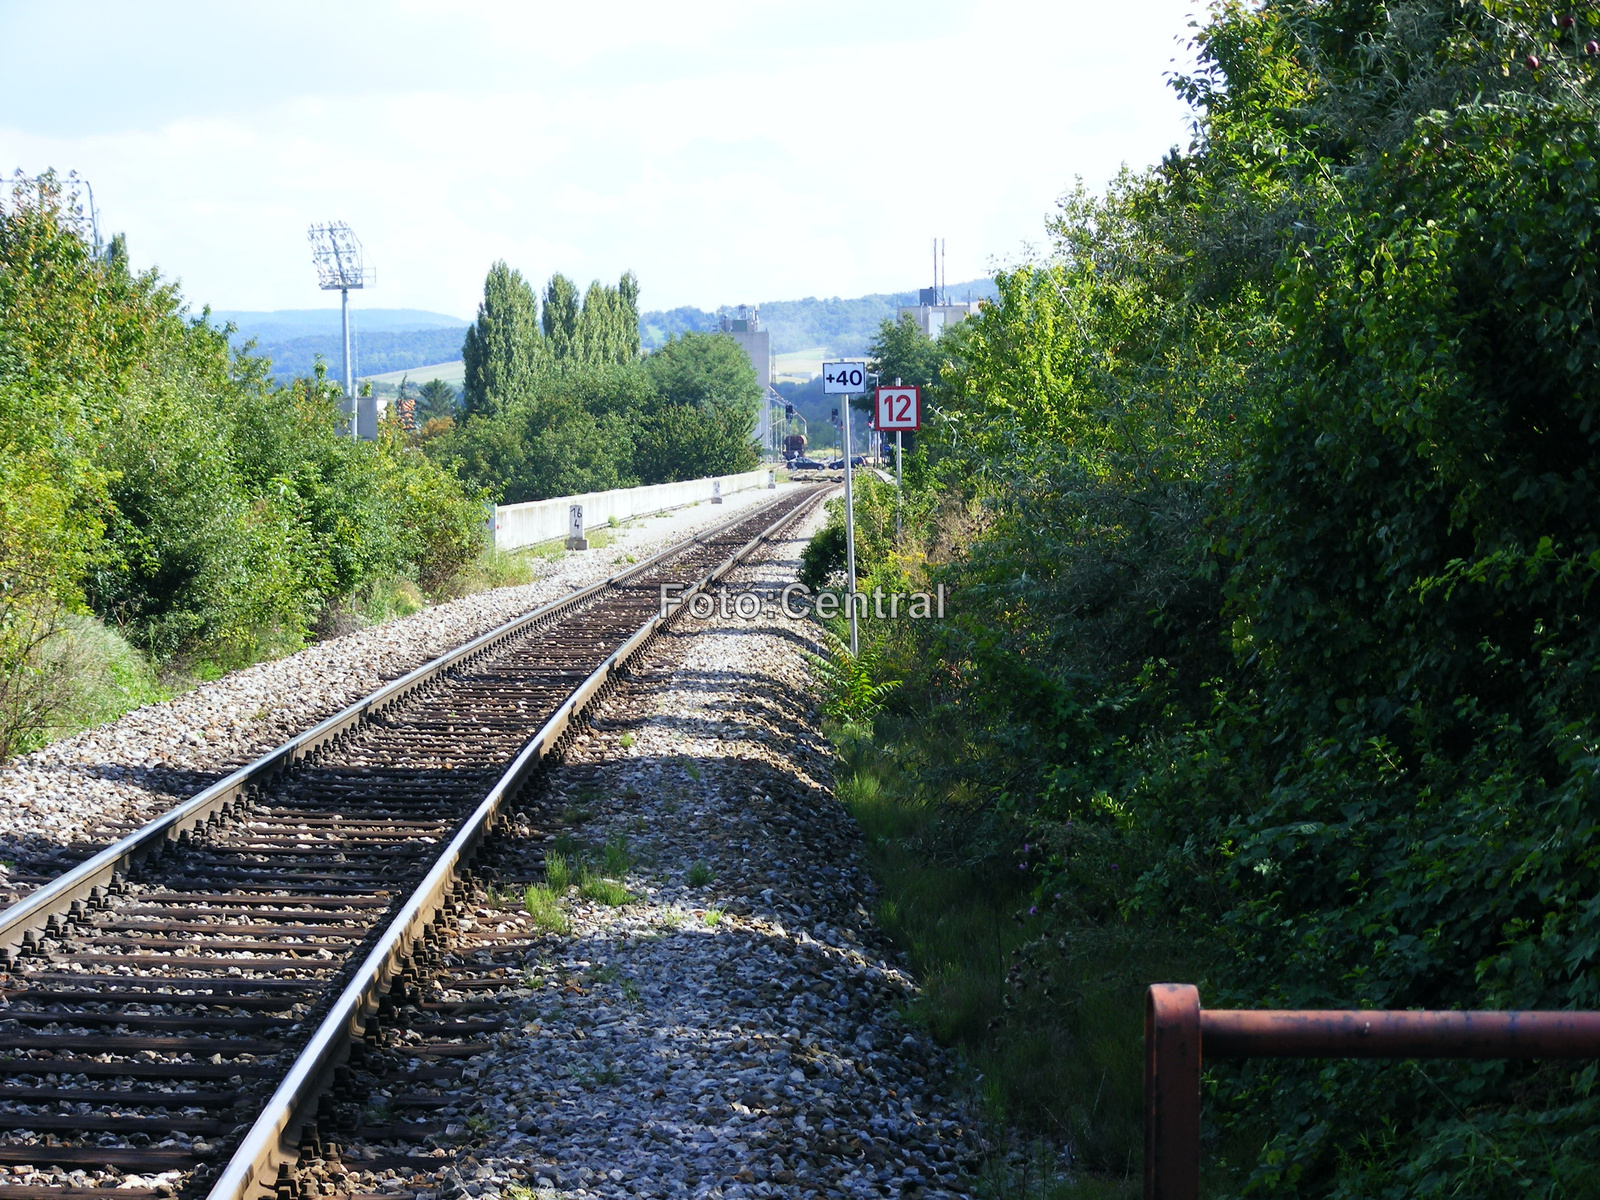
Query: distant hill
column 843, row 326
column 287, row 323
column 386, row 340
column 382, row 339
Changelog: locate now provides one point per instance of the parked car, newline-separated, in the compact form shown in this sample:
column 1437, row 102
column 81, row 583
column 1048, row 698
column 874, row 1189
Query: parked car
column 805, row 464
column 836, row 464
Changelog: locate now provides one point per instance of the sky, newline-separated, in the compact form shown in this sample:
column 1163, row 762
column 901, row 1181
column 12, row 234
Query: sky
column 726, row 154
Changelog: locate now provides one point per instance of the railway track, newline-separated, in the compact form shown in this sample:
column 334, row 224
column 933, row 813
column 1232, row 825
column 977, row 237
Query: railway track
column 200, row 1005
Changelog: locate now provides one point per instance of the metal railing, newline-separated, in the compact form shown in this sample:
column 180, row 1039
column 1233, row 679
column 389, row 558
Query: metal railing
column 1179, row 1035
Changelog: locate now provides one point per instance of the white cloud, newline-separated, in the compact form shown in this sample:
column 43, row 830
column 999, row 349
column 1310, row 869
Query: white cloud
column 735, row 154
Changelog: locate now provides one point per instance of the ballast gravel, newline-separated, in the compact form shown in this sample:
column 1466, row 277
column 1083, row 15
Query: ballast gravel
column 88, row 789
column 734, row 1030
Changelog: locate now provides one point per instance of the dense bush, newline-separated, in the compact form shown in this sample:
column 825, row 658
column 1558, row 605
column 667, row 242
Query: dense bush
column 1268, row 511
column 154, row 478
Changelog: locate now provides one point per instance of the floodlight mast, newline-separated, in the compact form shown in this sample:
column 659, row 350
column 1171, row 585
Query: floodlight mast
column 336, row 252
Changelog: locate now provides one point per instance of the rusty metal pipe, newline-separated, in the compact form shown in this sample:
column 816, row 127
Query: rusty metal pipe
column 1361, row 1034
column 1172, row 1092
column 1178, row 1032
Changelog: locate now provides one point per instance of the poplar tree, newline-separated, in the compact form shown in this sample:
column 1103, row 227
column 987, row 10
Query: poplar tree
column 561, row 313
column 503, row 349
column 597, row 325
column 628, row 315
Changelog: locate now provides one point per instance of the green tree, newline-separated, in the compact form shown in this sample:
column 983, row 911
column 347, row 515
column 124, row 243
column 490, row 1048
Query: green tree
column 628, row 295
column 701, row 419
column 902, row 351
column 604, row 328
column 707, row 370
column 573, row 434
column 561, row 312
column 436, row 398
column 150, row 473
column 503, row 350
column 1278, row 626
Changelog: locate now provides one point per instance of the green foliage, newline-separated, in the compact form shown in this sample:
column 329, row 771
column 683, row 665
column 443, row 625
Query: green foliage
column 852, row 693
column 593, row 416
column 1266, row 507
column 546, row 911
column 608, row 327
column 560, row 317
column 901, row 351
column 568, row 434
column 558, row 871
column 436, row 398
column 156, row 478
column 503, row 350
column 615, row 857
column 605, row 891
column 603, row 329
column 700, row 420
column 825, row 554
column 705, row 370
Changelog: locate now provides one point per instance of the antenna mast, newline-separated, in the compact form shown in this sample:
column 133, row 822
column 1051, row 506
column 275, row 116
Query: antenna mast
column 336, row 253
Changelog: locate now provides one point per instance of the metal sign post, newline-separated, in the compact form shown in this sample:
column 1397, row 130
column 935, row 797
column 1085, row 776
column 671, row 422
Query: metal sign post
column 843, row 379
column 899, row 483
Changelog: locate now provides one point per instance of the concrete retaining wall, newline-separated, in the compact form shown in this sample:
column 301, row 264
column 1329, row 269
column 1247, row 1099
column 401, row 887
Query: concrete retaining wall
column 517, row 525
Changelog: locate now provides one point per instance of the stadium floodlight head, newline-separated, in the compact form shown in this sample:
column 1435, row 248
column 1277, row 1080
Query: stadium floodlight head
column 336, row 251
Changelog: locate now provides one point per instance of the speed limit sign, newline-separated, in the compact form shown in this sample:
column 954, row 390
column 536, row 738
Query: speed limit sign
column 844, row 378
column 899, row 408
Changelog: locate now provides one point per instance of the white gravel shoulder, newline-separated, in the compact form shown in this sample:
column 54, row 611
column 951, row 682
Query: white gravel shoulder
column 88, row 789
column 737, row 1030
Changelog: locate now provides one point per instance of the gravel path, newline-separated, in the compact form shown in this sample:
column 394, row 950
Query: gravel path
column 90, row 788
column 735, row 1030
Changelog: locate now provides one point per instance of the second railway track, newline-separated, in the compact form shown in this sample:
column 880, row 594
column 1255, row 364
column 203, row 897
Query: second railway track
column 172, row 1006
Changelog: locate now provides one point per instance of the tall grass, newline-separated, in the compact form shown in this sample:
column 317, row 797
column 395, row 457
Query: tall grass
column 601, row 882
column 497, row 568
column 91, row 674
column 1054, row 1055
column 545, row 910
column 86, row 673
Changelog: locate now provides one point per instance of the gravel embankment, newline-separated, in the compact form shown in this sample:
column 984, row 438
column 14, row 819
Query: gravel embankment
column 738, row 1035
column 96, row 785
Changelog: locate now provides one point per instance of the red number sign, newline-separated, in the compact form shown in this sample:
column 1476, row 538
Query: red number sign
column 899, row 408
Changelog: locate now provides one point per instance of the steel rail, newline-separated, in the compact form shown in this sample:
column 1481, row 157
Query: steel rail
column 271, row 1144
column 23, row 921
